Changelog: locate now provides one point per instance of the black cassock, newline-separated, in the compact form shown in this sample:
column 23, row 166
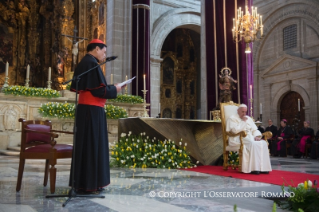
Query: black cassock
column 91, row 157
column 314, row 153
column 285, row 133
column 303, row 132
column 273, row 130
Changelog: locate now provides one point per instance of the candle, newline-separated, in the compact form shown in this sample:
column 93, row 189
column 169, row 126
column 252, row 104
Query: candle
column 261, row 109
column 298, row 104
column 144, row 82
column 261, row 20
column 28, row 72
column 111, row 79
column 7, row 69
column 125, row 77
column 251, row 91
column 49, row 75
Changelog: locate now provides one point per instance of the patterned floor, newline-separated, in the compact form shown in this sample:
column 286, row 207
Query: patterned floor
column 141, row 189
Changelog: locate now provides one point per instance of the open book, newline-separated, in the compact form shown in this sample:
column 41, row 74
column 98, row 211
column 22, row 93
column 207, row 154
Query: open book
column 126, row 82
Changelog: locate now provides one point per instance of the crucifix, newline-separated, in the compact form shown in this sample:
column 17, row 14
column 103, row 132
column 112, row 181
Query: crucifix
column 75, row 49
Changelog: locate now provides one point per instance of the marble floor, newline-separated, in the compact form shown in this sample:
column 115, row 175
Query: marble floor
column 140, row 189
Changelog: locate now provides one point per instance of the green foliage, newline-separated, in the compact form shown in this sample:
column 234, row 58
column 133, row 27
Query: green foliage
column 31, row 91
column 68, row 86
column 115, row 112
column 305, row 198
column 233, row 158
column 67, row 110
column 127, row 99
column 140, row 151
column 274, row 207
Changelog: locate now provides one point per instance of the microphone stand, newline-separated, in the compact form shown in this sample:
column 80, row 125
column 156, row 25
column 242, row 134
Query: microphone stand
column 72, row 193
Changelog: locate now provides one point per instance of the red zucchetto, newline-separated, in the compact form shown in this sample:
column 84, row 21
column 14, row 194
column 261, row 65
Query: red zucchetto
column 97, row 41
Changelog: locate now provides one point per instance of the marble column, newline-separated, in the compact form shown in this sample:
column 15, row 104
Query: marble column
column 141, row 47
column 155, row 70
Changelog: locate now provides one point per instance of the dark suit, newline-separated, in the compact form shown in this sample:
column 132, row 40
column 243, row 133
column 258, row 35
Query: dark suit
column 314, row 153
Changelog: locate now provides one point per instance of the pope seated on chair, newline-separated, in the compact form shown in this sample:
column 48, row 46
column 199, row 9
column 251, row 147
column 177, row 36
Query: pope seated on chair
column 255, row 150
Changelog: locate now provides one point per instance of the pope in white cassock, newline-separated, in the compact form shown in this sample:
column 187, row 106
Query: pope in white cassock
column 255, row 150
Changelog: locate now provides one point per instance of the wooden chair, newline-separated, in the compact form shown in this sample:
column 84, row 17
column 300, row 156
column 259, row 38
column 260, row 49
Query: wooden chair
column 226, row 110
column 37, row 142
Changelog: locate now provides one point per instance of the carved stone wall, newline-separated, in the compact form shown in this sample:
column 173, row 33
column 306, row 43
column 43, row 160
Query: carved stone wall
column 278, row 71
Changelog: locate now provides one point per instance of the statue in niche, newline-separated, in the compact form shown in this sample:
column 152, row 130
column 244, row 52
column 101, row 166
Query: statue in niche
column 167, row 113
column 226, row 86
column 60, row 64
column 10, row 117
column 168, row 71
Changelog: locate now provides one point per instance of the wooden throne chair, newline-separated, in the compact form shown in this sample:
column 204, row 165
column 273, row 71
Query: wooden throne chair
column 226, row 110
column 37, row 142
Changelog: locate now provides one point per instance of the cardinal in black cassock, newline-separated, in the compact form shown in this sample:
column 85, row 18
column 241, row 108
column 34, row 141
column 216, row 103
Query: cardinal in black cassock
column 91, row 153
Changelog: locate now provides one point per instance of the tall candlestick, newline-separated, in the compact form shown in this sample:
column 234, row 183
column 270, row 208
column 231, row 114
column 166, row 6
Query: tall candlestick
column 49, row 75
column 125, row 77
column 261, row 109
column 28, row 72
column 251, row 91
column 111, row 78
column 298, row 105
column 144, row 82
column 7, row 69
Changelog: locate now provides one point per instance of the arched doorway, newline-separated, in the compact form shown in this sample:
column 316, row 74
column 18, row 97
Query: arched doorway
column 289, row 108
column 180, row 68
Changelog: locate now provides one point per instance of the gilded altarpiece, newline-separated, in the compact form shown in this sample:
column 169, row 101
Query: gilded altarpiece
column 178, row 76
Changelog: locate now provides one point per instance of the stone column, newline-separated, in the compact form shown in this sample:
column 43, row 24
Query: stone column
column 313, row 94
column 118, row 39
column 141, row 47
column 203, row 81
column 155, row 70
column 267, row 104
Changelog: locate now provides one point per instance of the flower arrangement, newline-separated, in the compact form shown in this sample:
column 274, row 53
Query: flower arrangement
column 305, row 197
column 67, row 110
column 115, row 112
column 140, row 151
column 233, row 158
column 18, row 90
column 127, row 99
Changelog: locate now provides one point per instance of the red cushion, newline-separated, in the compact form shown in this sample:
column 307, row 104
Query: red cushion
column 47, row 147
column 32, row 137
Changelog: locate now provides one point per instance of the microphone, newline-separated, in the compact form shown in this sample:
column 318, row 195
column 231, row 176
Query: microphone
column 111, row 58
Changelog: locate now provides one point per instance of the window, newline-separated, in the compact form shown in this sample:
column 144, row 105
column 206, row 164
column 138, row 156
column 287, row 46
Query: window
column 290, row 37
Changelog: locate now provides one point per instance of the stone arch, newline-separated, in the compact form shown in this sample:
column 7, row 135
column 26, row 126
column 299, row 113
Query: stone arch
column 275, row 106
column 293, row 9
column 177, row 18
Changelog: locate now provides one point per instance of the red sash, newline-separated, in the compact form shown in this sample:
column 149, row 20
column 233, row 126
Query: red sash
column 86, row 98
column 278, row 143
column 302, row 143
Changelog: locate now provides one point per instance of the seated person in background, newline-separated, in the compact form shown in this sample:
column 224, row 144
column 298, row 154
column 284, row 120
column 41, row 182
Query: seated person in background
column 314, row 153
column 255, row 151
column 278, row 146
column 299, row 144
column 273, row 129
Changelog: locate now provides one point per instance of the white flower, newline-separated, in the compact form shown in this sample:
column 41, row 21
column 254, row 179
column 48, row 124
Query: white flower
column 136, row 146
column 129, row 132
column 132, row 139
column 127, row 157
column 185, row 167
column 185, row 144
column 132, row 156
column 141, row 134
column 126, row 139
column 195, row 166
column 150, row 145
column 309, row 184
column 142, row 159
column 180, row 143
column 138, row 140
column 147, row 137
column 144, row 133
column 165, row 146
column 197, row 162
column 301, row 185
column 145, row 140
column 154, row 138
column 123, row 135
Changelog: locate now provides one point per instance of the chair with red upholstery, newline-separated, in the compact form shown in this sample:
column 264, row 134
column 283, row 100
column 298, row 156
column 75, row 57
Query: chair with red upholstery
column 37, row 142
